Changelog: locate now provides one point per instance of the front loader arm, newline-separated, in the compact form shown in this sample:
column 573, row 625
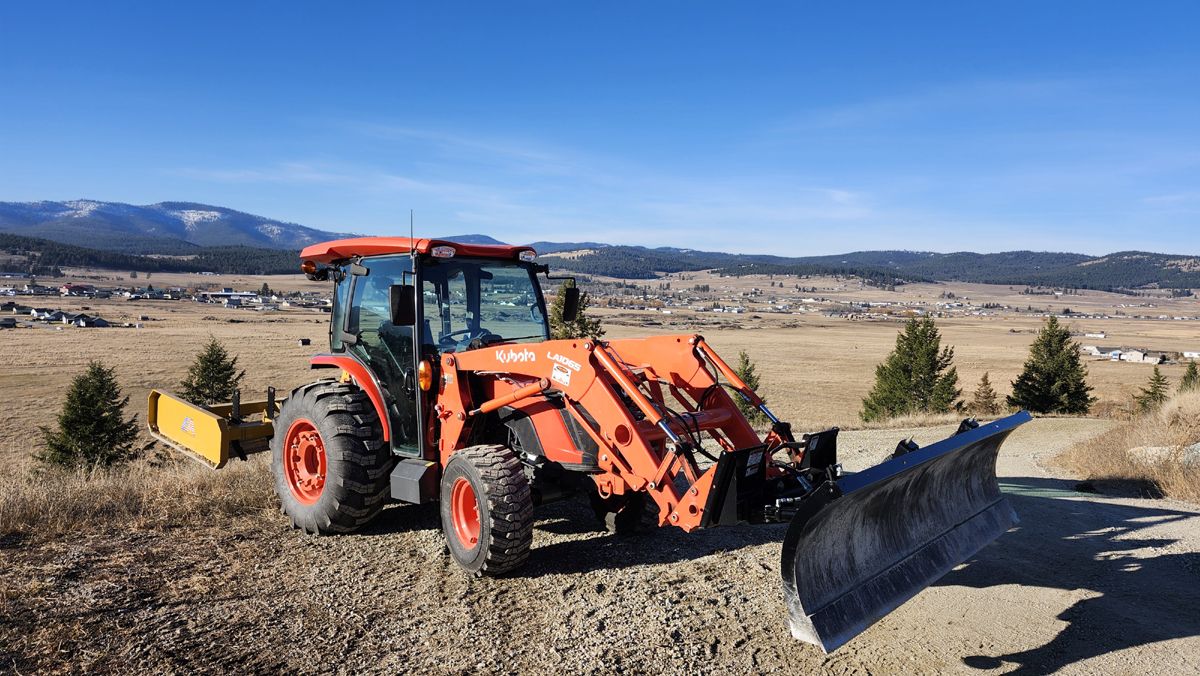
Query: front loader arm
column 644, row 442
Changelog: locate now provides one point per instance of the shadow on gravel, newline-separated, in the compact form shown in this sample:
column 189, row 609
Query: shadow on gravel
column 587, row 546
column 1144, row 597
column 590, row 548
column 403, row 518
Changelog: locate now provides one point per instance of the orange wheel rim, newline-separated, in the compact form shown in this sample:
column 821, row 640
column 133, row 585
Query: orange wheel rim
column 304, row 462
column 464, row 513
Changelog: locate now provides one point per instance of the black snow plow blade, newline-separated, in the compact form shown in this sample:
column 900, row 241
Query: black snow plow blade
column 864, row 544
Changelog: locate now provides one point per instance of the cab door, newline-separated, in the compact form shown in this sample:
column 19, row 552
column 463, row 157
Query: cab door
column 388, row 350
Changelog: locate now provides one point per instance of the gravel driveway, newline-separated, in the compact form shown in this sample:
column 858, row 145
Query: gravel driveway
column 1085, row 584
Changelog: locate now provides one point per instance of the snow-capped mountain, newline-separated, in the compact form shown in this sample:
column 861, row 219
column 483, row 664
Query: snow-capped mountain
column 157, row 228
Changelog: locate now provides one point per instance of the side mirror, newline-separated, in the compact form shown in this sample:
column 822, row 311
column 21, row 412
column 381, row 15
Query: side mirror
column 402, row 298
column 570, row 303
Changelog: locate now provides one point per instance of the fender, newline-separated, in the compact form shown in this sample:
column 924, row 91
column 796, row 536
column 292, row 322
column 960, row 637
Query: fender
column 363, row 378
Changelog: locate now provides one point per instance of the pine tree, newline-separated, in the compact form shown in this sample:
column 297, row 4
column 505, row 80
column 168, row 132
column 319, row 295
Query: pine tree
column 265, row 291
column 581, row 326
column 745, row 371
column 92, row 430
column 1191, row 379
column 917, row 376
column 1053, row 380
column 984, row 401
column 213, row 377
column 133, row 275
column 1154, row 395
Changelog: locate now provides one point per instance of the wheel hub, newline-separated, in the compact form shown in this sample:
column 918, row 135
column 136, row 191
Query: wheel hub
column 464, row 512
column 304, row 461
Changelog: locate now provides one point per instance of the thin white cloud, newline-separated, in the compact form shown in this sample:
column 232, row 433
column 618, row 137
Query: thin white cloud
column 526, row 190
column 1176, row 198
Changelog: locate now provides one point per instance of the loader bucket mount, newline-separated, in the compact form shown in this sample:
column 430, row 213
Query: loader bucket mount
column 861, row 545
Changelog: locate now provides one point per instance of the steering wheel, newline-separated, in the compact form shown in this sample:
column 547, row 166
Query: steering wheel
column 448, row 338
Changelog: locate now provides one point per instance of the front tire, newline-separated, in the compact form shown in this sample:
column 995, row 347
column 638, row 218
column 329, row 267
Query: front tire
column 487, row 510
column 331, row 465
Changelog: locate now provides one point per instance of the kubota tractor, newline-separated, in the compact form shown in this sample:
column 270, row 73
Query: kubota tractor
column 444, row 386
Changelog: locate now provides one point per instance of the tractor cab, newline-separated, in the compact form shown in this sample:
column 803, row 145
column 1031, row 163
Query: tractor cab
column 453, row 297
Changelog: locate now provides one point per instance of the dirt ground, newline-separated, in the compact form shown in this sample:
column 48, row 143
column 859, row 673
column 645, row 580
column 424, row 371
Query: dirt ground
column 1086, row 584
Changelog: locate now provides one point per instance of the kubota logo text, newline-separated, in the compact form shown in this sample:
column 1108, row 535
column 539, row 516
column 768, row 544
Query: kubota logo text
column 512, row 356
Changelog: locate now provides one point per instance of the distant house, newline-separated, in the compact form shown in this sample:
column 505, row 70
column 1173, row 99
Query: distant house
column 1191, row 355
column 73, row 290
column 8, row 323
column 227, row 294
column 84, row 321
column 1137, row 356
column 1111, row 352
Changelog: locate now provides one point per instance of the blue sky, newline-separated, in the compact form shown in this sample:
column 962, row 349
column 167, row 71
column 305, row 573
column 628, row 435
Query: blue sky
column 791, row 128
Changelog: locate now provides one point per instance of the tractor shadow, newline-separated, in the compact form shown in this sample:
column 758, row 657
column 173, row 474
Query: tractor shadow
column 399, row 518
column 569, row 539
column 1139, row 594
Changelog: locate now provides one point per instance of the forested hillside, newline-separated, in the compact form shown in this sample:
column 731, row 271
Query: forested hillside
column 45, row 258
column 1127, row 270
column 1120, row 271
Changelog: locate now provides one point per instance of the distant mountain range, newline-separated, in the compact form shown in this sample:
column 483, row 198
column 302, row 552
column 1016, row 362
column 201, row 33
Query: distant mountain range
column 97, row 229
column 167, row 228
column 1125, row 270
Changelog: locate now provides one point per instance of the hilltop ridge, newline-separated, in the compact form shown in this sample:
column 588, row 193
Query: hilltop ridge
column 166, row 228
column 98, row 230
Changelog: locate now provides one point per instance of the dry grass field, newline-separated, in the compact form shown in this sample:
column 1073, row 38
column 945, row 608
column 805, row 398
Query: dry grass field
column 181, row 570
column 815, row 370
column 1158, row 452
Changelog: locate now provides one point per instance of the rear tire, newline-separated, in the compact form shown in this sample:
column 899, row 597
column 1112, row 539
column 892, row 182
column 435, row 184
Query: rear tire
column 636, row 514
column 331, row 465
column 487, row 510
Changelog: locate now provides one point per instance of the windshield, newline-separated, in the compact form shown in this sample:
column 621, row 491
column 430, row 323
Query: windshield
column 477, row 298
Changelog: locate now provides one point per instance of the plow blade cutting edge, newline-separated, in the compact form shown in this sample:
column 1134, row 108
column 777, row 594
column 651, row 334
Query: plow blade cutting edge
column 864, row 544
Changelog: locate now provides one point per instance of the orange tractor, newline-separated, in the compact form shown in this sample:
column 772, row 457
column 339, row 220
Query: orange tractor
column 446, row 387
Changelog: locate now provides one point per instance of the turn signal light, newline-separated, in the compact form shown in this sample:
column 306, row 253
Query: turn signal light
column 443, row 252
column 527, row 255
column 424, row 375
column 308, row 267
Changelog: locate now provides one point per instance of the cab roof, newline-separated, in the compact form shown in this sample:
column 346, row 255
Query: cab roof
column 342, row 249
